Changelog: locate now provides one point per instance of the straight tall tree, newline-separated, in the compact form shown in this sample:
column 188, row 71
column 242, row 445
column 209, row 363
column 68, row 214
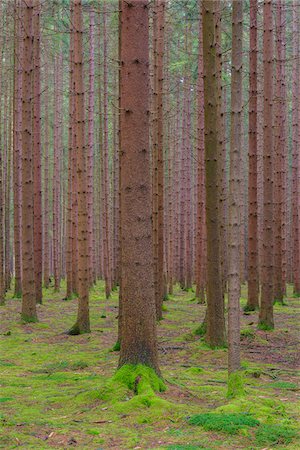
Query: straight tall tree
column 234, row 222
column 82, row 324
column 266, row 309
column 29, row 313
column 138, row 327
column 215, row 321
column 253, row 273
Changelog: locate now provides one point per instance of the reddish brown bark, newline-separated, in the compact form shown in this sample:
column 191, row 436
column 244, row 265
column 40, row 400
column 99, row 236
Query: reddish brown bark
column 90, row 159
column 70, row 214
column 234, row 222
column 46, row 211
column 37, row 169
column 280, row 149
column 28, row 285
column 215, row 334
column 266, row 310
column 107, row 248
column 295, row 151
column 17, row 143
column 139, row 345
column 82, row 324
column 253, row 273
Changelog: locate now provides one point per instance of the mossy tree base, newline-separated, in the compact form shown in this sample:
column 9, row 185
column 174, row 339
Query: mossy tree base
column 143, row 382
column 235, row 385
column 28, row 319
column 77, row 329
column 265, row 326
column 250, row 308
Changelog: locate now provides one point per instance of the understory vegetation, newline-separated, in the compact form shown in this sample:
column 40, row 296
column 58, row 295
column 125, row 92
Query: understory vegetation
column 59, row 391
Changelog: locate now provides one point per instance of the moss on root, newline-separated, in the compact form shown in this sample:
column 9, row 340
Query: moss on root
column 235, row 387
column 140, row 380
column 28, row 319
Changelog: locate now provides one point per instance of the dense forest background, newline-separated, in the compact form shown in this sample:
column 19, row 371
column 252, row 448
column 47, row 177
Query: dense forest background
column 149, row 224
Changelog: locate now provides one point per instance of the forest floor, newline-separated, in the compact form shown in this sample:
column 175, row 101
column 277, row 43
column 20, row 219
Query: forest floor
column 51, row 384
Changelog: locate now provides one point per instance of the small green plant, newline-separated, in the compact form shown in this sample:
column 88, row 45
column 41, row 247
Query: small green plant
column 226, row 423
column 275, row 435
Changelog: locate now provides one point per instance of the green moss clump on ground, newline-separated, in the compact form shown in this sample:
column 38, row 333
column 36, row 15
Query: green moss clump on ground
column 28, row 319
column 140, row 380
column 265, row 327
column 275, row 435
column 235, row 384
column 116, row 347
column 226, row 423
column 265, row 409
column 201, row 330
column 283, row 385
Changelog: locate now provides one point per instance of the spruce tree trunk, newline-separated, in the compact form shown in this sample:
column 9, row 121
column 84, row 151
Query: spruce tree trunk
column 266, row 310
column 139, row 342
column 215, row 334
column 253, row 273
column 200, row 223
column 37, row 170
column 295, row 150
column 17, row 143
column 28, row 280
column 46, row 246
column 234, row 223
column 90, row 162
column 82, row 324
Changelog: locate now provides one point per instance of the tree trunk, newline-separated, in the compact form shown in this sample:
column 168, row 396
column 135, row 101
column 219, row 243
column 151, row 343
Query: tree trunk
column 295, row 151
column 253, row 273
column 215, row 334
column 17, row 150
column 139, row 343
column 28, row 280
column 82, row 324
column 234, row 222
column 90, row 162
column 266, row 311
column 37, row 170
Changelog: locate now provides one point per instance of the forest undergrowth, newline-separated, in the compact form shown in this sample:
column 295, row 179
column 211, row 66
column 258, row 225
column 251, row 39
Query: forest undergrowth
column 59, row 391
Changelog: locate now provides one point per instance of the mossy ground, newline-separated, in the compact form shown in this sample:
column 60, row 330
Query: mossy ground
column 60, row 391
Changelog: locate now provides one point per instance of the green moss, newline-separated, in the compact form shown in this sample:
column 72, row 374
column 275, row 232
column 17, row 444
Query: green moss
column 201, row 330
column 275, row 435
column 283, row 385
column 226, row 423
column 248, row 308
column 235, row 384
column 117, row 347
column 140, row 379
column 28, row 319
column 247, row 332
column 265, row 327
column 265, row 409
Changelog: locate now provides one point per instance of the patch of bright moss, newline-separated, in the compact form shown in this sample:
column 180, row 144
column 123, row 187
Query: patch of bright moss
column 235, row 384
column 265, row 327
column 116, row 347
column 283, row 385
column 265, row 409
column 226, row 423
column 248, row 332
column 201, row 330
column 140, row 379
column 275, row 435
